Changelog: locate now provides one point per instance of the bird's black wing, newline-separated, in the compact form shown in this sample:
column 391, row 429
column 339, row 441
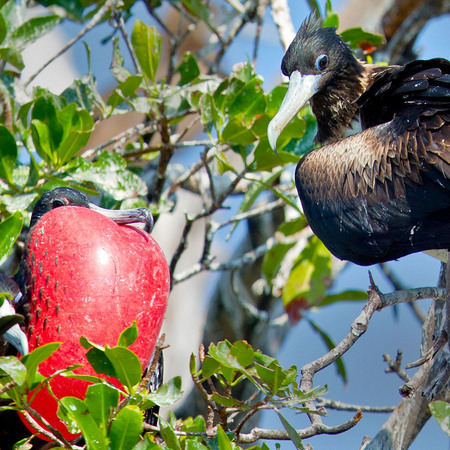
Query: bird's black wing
column 400, row 91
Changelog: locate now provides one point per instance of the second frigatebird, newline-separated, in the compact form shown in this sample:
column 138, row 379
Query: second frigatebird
column 384, row 192
column 81, row 274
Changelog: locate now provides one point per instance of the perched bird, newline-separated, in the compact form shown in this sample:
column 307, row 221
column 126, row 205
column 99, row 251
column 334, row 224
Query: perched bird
column 82, row 275
column 384, row 192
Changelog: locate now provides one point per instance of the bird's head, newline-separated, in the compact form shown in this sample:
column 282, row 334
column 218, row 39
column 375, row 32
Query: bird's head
column 65, row 196
column 320, row 67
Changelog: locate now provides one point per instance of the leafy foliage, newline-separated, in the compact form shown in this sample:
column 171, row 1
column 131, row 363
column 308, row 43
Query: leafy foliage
column 109, row 417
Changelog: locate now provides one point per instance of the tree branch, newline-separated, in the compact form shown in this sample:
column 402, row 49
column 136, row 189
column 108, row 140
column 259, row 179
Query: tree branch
column 282, row 18
column 313, row 430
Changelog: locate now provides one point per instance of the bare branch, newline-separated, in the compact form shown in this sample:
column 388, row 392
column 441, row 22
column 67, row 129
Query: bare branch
column 409, row 295
column 282, row 18
column 54, row 435
column 313, row 430
column 341, row 406
column 395, row 366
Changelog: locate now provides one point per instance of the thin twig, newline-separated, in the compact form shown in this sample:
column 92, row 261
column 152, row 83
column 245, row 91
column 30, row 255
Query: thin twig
column 137, row 130
column 180, row 249
column 313, row 430
column 121, row 25
column 192, row 170
column 408, row 295
column 282, row 18
column 247, row 258
column 281, row 435
column 341, row 406
column 358, row 328
column 396, row 366
column 432, row 352
column 52, row 433
column 237, row 28
column 261, row 10
column 98, row 17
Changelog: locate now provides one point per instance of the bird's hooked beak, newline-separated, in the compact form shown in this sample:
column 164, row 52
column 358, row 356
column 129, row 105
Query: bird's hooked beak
column 14, row 335
column 301, row 89
column 126, row 216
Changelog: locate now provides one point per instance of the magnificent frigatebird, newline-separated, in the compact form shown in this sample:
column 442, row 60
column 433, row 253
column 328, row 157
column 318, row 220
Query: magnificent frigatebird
column 384, row 192
column 40, row 273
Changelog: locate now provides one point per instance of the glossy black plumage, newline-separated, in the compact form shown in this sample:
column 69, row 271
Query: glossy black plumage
column 384, row 192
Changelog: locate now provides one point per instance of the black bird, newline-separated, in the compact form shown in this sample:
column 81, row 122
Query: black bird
column 384, row 192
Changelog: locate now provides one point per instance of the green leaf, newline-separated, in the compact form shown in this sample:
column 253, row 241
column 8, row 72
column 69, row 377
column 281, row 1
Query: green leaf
column 198, row 9
column 358, row 38
column 168, row 435
column 59, row 134
column 222, row 354
column 33, row 29
column 243, row 352
column 128, row 336
column 11, row 366
column 79, row 412
column 274, row 256
column 126, row 365
column 147, row 44
column 342, row 372
column 20, row 202
column 188, row 69
column 209, row 366
column 101, row 399
column 84, row 93
column 193, row 445
column 12, row 56
column 236, row 132
column 293, row 435
column 89, row 378
column 125, row 90
column 273, row 376
column 9, row 232
column 3, row 28
column 8, row 154
column 223, row 440
column 228, row 402
column 110, row 174
column 126, row 428
column 77, row 126
column 39, row 354
column 100, row 362
column 331, row 20
column 309, row 277
column 441, row 412
column 167, row 394
column 266, row 159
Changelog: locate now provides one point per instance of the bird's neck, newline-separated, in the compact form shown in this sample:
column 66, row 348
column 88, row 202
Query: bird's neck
column 335, row 107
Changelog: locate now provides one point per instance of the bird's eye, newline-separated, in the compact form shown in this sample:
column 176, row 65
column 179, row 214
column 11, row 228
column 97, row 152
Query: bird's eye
column 321, row 62
column 57, row 203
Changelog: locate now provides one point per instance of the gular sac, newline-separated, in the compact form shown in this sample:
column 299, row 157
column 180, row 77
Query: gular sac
column 88, row 276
